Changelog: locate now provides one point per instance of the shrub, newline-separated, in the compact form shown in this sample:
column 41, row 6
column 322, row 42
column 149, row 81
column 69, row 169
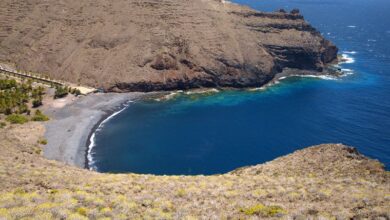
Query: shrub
column 42, row 141
column 22, row 108
column 36, row 103
column 77, row 92
column 82, row 211
column 39, row 116
column 181, row 193
column 3, row 124
column 16, row 119
column 262, row 210
column 60, row 92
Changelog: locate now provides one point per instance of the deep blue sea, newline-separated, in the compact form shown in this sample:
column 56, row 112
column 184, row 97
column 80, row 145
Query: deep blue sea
column 198, row 134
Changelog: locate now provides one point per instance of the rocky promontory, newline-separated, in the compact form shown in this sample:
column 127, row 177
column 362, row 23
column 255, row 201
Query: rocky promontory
column 146, row 45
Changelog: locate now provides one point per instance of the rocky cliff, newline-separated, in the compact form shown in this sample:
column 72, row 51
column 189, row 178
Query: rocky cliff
column 144, row 45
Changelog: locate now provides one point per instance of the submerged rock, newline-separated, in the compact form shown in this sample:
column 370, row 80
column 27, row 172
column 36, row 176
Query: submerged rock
column 147, row 45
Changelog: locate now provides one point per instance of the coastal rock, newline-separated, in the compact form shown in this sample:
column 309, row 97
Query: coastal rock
column 148, row 45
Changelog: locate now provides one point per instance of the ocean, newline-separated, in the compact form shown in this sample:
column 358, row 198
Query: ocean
column 218, row 132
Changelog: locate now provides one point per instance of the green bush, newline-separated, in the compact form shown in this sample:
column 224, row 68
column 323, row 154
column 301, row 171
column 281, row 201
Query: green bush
column 16, row 119
column 36, row 103
column 39, row 116
column 61, row 92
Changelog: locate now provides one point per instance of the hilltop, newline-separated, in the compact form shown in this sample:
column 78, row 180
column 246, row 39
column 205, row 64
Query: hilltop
column 146, row 45
column 322, row 182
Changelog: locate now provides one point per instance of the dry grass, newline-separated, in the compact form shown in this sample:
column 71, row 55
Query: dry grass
column 322, row 182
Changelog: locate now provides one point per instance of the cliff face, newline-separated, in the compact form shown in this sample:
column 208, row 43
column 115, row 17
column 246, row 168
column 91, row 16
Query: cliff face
column 144, row 45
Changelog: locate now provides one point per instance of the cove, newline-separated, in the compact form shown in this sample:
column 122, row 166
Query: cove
column 217, row 133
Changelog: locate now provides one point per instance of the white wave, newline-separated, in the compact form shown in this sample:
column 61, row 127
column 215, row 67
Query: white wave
column 371, row 40
column 347, row 59
column 275, row 82
column 89, row 154
column 351, row 26
column 264, row 87
column 257, row 89
column 92, row 144
column 169, row 96
column 202, row 91
column 325, row 77
column 347, row 72
column 116, row 113
column 350, row 52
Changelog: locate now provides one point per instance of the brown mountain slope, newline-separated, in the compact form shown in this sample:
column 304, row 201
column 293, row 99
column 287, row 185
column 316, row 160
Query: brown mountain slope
column 148, row 45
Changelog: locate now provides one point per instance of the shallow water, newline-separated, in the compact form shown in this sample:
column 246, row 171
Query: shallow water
column 216, row 133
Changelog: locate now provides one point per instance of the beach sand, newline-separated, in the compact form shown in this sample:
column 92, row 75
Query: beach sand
column 72, row 121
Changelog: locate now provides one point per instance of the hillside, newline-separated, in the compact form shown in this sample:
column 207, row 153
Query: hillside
column 329, row 181
column 144, row 45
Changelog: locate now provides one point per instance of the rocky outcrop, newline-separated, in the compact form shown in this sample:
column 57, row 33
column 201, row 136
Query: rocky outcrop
column 146, row 45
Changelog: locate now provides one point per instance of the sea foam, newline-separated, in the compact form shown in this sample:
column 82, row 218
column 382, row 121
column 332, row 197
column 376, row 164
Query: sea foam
column 347, row 59
column 350, row 52
column 92, row 141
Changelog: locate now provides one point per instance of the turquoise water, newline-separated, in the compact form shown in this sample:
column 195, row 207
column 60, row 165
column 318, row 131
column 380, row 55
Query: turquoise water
column 216, row 133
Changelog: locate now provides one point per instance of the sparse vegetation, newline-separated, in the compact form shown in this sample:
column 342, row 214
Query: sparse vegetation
column 16, row 119
column 181, row 193
column 14, row 96
column 264, row 211
column 42, row 141
column 39, row 116
column 35, row 188
column 3, row 124
column 82, row 211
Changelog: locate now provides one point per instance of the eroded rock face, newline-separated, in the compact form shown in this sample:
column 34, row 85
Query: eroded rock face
column 145, row 45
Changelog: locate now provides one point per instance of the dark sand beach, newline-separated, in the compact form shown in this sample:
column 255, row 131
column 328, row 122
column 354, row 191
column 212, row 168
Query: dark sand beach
column 70, row 126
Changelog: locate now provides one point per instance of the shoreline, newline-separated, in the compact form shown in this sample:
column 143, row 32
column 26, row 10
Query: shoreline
column 104, row 119
column 69, row 131
column 72, row 126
